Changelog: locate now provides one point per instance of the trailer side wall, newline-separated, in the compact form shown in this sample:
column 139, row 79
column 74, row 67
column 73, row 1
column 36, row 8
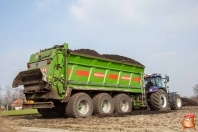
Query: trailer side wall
column 87, row 72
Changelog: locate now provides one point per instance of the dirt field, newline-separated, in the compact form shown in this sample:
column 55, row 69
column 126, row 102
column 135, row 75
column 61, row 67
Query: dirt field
column 137, row 121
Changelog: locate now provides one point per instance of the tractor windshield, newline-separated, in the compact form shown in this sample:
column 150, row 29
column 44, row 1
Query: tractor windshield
column 156, row 81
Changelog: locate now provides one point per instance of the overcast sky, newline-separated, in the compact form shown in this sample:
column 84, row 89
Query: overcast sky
column 161, row 34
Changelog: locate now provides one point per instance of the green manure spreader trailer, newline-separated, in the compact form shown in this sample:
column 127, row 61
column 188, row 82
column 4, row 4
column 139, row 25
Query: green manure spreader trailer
column 82, row 82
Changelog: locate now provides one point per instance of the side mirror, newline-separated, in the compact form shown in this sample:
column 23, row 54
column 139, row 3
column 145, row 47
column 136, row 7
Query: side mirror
column 167, row 78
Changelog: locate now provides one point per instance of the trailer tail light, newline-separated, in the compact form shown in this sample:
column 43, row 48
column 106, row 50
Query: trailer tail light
column 49, row 61
column 28, row 65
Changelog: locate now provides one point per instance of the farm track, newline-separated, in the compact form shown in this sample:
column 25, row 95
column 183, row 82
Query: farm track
column 137, row 121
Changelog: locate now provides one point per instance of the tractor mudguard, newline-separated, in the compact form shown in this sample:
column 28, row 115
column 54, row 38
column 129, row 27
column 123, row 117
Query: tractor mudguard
column 172, row 96
column 154, row 89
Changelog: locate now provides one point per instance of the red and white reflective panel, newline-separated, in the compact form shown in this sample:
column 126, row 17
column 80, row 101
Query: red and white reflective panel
column 43, row 69
column 101, row 75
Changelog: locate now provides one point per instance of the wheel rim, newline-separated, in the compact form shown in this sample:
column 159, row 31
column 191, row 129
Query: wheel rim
column 83, row 107
column 163, row 100
column 178, row 102
column 124, row 106
column 106, row 106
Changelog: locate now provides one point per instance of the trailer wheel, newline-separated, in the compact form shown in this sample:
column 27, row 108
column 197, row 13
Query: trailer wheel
column 122, row 103
column 79, row 105
column 44, row 112
column 177, row 103
column 103, row 104
column 159, row 100
column 51, row 112
column 39, row 111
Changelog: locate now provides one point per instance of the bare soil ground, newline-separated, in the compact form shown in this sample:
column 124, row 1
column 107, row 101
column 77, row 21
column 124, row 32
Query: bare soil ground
column 137, row 121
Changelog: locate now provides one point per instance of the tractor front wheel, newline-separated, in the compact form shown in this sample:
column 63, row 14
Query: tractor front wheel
column 176, row 103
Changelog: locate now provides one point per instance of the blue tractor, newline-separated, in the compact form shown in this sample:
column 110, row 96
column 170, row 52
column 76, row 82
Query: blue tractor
column 157, row 93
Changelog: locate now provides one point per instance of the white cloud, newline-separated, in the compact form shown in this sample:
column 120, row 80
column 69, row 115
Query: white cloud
column 102, row 13
column 167, row 14
column 43, row 5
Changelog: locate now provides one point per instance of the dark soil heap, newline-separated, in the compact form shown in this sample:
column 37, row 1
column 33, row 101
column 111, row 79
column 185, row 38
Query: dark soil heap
column 188, row 102
column 107, row 56
column 88, row 52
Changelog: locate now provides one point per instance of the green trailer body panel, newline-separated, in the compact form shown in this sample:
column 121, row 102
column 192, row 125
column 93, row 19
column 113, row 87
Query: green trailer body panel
column 91, row 72
column 60, row 70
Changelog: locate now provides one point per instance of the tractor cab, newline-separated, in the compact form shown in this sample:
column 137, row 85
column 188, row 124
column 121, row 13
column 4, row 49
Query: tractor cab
column 153, row 82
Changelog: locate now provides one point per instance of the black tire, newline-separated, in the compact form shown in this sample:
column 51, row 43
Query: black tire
column 51, row 112
column 44, row 112
column 79, row 105
column 176, row 103
column 103, row 104
column 159, row 101
column 122, row 103
column 39, row 111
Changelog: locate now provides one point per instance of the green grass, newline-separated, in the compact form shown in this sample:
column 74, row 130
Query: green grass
column 18, row 112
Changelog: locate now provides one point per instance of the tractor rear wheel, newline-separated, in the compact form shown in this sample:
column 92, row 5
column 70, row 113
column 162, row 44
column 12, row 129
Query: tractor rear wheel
column 122, row 103
column 177, row 103
column 79, row 105
column 103, row 104
column 159, row 101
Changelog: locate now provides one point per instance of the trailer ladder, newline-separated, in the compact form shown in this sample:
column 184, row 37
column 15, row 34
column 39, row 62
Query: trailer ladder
column 144, row 101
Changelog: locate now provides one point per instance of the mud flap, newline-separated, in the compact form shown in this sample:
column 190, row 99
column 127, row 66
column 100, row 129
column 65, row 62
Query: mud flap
column 28, row 77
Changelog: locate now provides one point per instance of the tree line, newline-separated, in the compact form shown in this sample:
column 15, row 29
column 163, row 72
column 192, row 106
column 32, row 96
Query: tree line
column 9, row 94
column 195, row 89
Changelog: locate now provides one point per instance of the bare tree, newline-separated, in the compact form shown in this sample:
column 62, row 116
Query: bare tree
column 8, row 97
column 1, row 98
column 18, row 94
column 195, row 89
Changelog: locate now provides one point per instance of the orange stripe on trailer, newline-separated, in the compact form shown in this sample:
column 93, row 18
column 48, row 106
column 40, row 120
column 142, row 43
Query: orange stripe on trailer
column 82, row 73
column 100, row 75
column 113, row 76
column 69, row 71
column 136, row 79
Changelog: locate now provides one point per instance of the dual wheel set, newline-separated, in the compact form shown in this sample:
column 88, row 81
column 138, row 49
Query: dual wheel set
column 82, row 105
